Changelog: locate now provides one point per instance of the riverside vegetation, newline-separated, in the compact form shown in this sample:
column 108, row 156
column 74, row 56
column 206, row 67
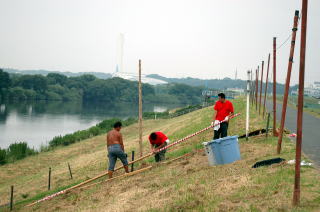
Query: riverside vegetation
column 188, row 184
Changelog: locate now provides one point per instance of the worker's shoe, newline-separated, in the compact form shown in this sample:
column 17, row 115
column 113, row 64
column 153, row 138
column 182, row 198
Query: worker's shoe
column 110, row 173
column 126, row 168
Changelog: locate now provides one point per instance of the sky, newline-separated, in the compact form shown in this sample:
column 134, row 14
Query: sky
column 174, row 38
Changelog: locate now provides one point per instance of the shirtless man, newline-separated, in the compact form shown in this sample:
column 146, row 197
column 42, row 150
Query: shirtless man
column 116, row 149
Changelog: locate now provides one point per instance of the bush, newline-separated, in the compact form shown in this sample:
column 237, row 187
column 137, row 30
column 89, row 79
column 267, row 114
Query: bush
column 56, row 141
column 80, row 135
column 18, row 151
column 151, row 115
column 94, row 131
column 3, row 155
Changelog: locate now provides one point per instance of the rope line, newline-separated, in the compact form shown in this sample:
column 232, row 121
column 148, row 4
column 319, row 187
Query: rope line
column 194, row 134
column 285, row 42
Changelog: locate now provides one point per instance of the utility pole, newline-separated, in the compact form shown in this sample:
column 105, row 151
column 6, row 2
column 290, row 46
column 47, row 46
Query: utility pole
column 261, row 86
column 296, row 192
column 248, row 106
column 266, row 88
column 274, row 85
column 286, row 91
column 140, row 111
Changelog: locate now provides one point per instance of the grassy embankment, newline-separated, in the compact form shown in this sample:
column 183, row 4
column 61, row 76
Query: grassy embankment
column 186, row 184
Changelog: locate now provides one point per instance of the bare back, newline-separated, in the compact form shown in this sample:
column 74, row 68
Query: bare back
column 114, row 137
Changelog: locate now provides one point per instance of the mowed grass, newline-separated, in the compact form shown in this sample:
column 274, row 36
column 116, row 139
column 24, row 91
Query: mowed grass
column 188, row 184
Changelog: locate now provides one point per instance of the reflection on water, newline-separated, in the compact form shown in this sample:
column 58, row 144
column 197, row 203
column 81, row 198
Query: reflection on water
column 38, row 122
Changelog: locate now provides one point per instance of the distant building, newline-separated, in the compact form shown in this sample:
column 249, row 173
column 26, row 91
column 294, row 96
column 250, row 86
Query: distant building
column 238, row 91
column 135, row 77
column 313, row 90
column 316, row 85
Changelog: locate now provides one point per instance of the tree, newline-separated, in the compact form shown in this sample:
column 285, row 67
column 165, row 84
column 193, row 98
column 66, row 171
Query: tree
column 54, row 78
column 5, row 81
column 34, row 82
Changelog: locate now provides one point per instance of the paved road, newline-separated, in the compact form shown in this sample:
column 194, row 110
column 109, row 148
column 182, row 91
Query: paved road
column 310, row 133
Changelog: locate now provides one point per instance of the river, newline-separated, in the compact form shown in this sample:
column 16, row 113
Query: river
column 38, row 122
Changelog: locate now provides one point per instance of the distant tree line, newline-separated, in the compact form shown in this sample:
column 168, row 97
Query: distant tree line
column 59, row 87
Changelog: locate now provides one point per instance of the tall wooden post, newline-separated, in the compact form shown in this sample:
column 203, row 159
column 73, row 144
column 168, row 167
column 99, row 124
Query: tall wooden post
column 70, row 172
column 11, row 198
column 296, row 192
column 140, row 111
column 257, row 87
column 286, row 91
column 274, row 85
column 261, row 86
column 266, row 88
column 267, row 129
column 49, row 179
column 132, row 159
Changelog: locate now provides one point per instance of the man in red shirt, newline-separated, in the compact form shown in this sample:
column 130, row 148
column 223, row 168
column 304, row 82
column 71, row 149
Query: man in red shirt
column 157, row 141
column 222, row 110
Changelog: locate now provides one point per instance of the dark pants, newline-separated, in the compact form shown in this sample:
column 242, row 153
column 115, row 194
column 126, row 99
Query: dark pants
column 222, row 132
column 160, row 156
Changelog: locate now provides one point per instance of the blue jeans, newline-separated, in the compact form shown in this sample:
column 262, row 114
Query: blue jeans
column 115, row 151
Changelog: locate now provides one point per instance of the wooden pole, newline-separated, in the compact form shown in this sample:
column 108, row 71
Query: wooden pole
column 140, row 111
column 266, row 88
column 132, row 159
column 11, row 198
column 256, row 93
column 120, row 176
column 286, row 91
column 70, row 172
column 248, row 106
column 49, row 179
column 296, row 192
column 267, row 129
column 261, row 82
column 274, row 85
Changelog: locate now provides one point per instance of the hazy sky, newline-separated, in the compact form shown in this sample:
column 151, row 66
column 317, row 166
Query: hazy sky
column 174, row 38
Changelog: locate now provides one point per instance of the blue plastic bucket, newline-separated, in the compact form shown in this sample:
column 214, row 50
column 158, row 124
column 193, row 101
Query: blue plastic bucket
column 222, row 151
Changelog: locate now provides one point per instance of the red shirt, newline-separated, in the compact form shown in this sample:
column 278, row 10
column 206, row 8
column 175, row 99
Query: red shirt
column 223, row 109
column 161, row 138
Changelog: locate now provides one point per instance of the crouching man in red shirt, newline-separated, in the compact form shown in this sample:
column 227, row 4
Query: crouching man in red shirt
column 157, row 141
column 222, row 110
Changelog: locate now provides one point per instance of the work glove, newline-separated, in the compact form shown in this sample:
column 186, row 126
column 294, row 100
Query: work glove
column 226, row 118
column 217, row 123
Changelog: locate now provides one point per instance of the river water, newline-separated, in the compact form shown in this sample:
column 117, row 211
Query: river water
column 38, row 122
